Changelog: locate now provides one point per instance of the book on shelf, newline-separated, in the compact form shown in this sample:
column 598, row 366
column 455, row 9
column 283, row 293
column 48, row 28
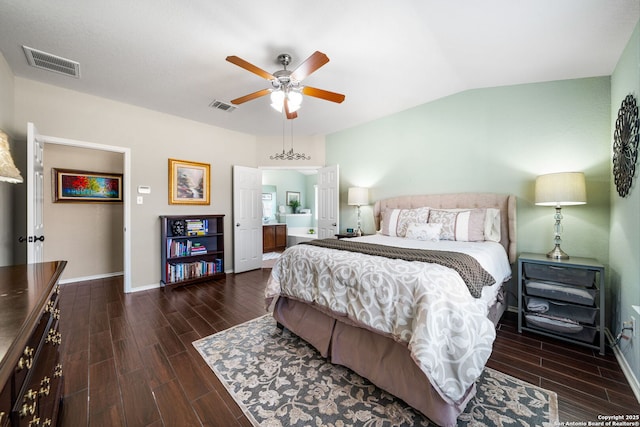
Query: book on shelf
column 176, row 272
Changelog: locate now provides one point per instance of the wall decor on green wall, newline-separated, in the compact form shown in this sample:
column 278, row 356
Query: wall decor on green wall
column 625, row 145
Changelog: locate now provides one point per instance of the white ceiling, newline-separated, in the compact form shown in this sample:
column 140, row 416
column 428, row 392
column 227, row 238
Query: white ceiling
column 169, row 55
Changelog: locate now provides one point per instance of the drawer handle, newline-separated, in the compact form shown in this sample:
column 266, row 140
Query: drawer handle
column 45, row 386
column 26, row 360
column 57, row 373
column 53, row 337
column 28, row 409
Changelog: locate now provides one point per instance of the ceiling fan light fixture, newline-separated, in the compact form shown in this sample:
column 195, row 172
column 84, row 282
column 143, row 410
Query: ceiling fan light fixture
column 277, row 100
column 294, row 98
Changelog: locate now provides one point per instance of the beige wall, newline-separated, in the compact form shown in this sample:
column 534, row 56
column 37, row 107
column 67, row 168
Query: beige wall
column 88, row 235
column 153, row 138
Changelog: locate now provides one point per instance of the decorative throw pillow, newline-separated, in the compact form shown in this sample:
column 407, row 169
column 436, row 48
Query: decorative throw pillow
column 425, row 232
column 396, row 221
column 461, row 225
column 492, row 225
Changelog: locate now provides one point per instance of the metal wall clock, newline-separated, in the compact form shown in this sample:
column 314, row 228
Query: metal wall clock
column 625, row 145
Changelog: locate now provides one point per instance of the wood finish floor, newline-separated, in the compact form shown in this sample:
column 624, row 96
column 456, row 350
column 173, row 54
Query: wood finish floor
column 128, row 358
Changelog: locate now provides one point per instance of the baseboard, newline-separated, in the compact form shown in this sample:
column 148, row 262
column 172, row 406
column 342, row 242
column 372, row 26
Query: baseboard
column 88, row 278
column 624, row 365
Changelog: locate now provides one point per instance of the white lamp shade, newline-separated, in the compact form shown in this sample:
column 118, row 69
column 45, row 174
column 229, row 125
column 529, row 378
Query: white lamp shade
column 561, row 189
column 277, row 100
column 8, row 170
column 358, row 196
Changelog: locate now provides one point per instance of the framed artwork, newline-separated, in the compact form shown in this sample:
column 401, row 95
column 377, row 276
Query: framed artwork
column 293, row 195
column 189, row 182
column 82, row 186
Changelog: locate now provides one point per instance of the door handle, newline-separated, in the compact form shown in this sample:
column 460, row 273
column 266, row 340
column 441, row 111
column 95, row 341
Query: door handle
column 237, row 224
column 31, row 239
column 334, row 224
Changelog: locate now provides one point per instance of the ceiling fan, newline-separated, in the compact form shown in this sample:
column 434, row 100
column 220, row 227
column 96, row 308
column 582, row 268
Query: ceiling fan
column 286, row 92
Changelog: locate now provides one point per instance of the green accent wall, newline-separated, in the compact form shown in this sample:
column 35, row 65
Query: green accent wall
column 624, row 241
column 492, row 140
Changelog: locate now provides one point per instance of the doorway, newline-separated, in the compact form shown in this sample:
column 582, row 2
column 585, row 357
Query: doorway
column 124, row 157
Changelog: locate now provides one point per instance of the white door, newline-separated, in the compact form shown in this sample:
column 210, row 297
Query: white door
column 247, row 219
column 328, row 202
column 35, row 198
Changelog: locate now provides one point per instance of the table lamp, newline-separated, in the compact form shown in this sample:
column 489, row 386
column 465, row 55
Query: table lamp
column 358, row 196
column 560, row 189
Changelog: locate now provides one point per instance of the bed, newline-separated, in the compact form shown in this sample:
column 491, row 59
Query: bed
column 420, row 330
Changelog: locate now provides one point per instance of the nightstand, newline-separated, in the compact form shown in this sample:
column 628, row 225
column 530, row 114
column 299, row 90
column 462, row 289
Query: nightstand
column 563, row 299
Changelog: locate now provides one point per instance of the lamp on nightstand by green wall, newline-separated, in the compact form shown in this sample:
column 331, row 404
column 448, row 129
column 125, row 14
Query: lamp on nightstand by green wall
column 358, row 196
column 560, row 189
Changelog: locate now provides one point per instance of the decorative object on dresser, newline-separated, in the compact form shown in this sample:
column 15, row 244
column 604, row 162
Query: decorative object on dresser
column 562, row 299
column 8, row 170
column 192, row 248
column 189, row 183
column 358, row 196
column 625, row 145
column 31, row 380
column 560, row 189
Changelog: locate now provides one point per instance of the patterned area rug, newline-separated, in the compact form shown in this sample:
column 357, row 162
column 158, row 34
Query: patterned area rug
column 279, row 380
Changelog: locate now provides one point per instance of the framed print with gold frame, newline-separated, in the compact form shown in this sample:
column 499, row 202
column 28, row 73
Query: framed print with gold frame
column 189, row 183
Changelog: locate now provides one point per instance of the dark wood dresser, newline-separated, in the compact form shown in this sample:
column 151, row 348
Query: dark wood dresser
column 30, row 365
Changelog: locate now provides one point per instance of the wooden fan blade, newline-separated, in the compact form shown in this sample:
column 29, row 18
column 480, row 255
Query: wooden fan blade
column 323, row 94
column 250, row 67
column 290, row 115
column 311, row 64
column 251, row 96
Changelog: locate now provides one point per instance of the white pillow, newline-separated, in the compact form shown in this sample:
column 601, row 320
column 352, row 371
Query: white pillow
column 426, row 232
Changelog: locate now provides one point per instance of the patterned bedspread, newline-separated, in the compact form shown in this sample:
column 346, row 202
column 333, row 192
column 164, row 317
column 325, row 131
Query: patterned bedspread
column 425, row 305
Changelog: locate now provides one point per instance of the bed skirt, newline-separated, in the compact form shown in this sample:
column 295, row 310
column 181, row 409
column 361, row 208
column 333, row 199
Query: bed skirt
column 377, row 357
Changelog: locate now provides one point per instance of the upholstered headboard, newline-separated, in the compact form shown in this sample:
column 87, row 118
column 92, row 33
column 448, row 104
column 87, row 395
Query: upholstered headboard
column 505, row 202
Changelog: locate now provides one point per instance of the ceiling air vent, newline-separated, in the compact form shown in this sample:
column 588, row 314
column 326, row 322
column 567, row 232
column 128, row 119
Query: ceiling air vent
column 220, row 105
column 49, row 62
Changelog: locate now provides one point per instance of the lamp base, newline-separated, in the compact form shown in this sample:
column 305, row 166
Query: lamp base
column 557, row 253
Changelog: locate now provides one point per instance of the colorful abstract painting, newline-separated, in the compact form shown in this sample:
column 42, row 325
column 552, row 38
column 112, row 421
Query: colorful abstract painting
column 81, row 186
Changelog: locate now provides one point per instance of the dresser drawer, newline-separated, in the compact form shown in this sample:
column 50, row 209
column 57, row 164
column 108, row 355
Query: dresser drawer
column 5, row 405
column 29, row 353
column 578, row 313
column 560, row 274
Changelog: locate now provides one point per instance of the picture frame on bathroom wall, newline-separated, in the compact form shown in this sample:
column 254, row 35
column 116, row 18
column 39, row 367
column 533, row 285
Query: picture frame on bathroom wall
column 293, row 195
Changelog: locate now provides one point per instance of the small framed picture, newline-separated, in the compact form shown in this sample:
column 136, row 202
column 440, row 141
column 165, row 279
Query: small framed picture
column 293, row 196
column 189, row 182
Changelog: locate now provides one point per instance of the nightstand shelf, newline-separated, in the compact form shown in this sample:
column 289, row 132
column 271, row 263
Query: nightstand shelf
column 563, row 299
